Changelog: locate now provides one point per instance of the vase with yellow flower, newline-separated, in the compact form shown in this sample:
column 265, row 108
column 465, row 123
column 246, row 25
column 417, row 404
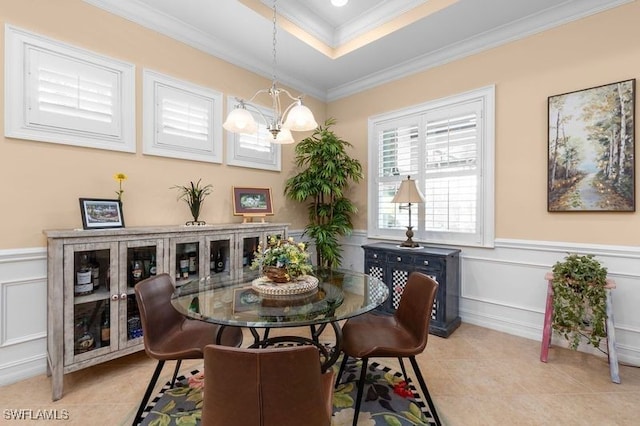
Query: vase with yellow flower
column 282, row 261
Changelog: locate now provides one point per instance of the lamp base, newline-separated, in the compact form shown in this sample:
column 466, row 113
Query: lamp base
column 409, row 241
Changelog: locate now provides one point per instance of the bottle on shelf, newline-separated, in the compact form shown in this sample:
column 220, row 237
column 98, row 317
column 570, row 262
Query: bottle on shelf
column 212, row 262
column 219, row 267
column 136, row 270
column 84, row 284
column 84, row 339
column 152, row 266
column 193, row 258
column 95, row 272
column 105, row 328
column 184, row 266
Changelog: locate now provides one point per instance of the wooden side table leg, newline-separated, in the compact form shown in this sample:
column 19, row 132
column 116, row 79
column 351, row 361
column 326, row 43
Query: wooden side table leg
column 546, row 329
column 611, row 342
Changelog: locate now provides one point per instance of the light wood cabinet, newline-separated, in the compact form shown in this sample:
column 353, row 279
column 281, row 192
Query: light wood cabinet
column 92, row 323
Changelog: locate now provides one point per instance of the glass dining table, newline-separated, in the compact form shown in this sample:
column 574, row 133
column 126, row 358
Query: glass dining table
column 238, row 302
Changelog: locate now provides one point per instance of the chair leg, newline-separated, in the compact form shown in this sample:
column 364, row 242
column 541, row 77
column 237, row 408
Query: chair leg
column 363, row 374
column 343, row 365
column 175, row 372
column 404, row 372
column 423, row 386
column 147, row 393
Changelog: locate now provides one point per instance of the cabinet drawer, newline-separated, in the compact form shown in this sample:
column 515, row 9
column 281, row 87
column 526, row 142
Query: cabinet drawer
column 376, row 256
column 429, row 263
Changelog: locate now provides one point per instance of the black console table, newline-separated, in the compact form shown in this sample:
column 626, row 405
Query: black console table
column 393, row 265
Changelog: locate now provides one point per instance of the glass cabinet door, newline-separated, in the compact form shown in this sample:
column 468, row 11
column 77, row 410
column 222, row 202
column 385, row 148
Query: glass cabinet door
column 88, row 308
column 218, row 256
column 139, row 260
column 186, row 258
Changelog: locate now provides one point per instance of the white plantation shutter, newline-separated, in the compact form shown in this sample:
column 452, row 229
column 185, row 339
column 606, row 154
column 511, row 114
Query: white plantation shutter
column 451, row 169
column 254, row 151
column 181, row 120
column 59, row 93
column 447, row 148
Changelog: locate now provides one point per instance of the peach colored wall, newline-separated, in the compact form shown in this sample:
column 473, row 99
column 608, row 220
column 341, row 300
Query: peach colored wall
column 41, row 182
column 593, row 51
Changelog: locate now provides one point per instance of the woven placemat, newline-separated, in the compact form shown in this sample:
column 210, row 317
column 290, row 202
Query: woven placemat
column 302, row 284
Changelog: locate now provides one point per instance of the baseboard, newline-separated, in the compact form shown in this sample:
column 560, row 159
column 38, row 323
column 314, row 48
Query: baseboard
column 23, row 369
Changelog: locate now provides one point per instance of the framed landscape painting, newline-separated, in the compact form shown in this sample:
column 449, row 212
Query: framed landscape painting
column 101, row 213
column 591, row 149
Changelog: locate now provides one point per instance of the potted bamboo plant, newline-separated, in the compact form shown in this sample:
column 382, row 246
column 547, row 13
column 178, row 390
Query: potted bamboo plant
column 579, row 299
column 326, row 171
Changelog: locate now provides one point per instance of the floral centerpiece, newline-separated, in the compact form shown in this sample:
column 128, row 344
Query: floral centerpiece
column 282, row 260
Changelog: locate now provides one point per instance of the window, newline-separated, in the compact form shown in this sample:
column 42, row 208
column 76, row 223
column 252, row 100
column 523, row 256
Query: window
column 254, row 151
column 447, row 146
column 181, row 120
column 62, row 94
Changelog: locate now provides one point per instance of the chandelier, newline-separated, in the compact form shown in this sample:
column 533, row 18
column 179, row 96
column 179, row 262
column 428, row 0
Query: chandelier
column 299, row 118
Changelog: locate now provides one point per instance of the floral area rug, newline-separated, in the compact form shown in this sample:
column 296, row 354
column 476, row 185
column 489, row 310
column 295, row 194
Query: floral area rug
column 388, row 400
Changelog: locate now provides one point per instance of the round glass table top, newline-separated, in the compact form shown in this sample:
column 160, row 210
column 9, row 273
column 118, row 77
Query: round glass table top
column 339, row 295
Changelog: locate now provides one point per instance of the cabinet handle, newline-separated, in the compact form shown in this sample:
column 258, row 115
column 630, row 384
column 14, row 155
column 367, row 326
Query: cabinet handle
column 426, row 262
column 114, row 297
column 123, row 296
column 399, row 259
column 375, row 256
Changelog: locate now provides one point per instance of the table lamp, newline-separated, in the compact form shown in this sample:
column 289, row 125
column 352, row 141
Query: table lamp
column 408, row 193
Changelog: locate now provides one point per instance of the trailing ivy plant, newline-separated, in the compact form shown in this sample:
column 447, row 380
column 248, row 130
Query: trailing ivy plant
column 579, row 299
column 326, row 171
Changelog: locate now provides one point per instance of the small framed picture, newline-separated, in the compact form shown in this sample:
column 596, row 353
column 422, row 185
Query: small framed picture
column 100, row 213
column 250, row 202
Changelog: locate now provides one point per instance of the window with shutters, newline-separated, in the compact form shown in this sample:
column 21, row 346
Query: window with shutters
column 254, row 151
column 180, row 119
column 447, row 146
column 59, row 93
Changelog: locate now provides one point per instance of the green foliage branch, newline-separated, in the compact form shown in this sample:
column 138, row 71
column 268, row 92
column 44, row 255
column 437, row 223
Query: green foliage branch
column 194, row 195
column 326, row 173
column 579, row 299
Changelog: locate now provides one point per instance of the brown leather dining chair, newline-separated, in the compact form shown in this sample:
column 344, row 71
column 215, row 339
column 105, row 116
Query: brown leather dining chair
column 266, row 387
column 403, row 335
column 168, row 335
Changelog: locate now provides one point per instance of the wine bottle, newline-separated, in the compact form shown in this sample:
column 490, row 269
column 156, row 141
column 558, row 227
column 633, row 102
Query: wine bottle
column 152, row 266
column 84, row 284
column 95, row 272
column 184, row 266
column 193, row 259
column 136, row 270
column 105, row 328
column 212, row 262
column 219, row 267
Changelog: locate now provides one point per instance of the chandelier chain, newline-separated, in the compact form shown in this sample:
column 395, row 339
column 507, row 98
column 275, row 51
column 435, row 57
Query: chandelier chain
column 274, row 42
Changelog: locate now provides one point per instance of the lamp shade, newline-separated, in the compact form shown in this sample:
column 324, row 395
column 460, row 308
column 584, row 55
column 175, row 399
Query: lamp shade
column 240, row 121
column 300, row 119
column 408, row 192
column 284, row 137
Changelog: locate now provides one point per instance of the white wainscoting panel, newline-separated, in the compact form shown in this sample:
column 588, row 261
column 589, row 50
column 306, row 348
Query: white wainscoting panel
column 503, row 288
column 23, row 314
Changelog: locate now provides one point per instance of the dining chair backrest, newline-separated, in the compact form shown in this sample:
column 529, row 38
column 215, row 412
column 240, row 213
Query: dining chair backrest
column 416, row 305
column 158, row 317
column 265, row 387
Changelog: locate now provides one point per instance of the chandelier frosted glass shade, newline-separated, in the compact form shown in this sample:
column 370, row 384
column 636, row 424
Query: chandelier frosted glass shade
column 240, row 121
column 300, row 119
column 284, row 137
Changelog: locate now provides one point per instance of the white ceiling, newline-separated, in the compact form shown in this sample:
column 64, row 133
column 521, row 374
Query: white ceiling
column 240, row 31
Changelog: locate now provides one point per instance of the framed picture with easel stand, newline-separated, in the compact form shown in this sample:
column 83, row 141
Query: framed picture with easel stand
column 252, row 203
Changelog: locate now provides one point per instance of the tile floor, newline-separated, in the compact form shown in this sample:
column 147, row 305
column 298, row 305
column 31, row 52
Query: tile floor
column 476, row 376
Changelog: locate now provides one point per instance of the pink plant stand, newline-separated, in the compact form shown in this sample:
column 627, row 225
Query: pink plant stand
column 611, row 333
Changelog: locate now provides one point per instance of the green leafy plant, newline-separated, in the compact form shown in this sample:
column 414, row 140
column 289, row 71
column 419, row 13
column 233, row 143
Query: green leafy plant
column 327, row 171
column 194, row 196
column 579, row 299
column 286, row 254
